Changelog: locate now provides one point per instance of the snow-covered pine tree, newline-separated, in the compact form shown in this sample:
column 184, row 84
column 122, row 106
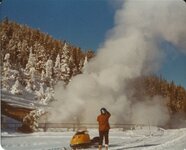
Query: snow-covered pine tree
column 52, row 83
column 6, row 72
column 31, row 83
column 85, row 63
column 31, row 61
column 12, row 47
column 65, row 68
column 49, row 96
column 5, row 81
column 57, row 63
column 81, row 65
column 16, row 88
column 73, row 67
column 29, row 86
column 40, row 56
column 30, row 72
column 7, row 58
column 6, row 64
column 31, row 120
column 57, row 67
column 24, row 52
column 43, row 75
column 48, row 68
column 41, row 93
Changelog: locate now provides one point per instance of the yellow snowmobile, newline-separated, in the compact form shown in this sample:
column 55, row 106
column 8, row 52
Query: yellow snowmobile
column 81, row 139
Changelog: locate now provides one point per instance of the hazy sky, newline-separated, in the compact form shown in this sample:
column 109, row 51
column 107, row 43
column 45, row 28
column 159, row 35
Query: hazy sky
column 84, row 23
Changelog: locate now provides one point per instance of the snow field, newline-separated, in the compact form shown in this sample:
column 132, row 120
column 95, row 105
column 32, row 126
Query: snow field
column 138, row 139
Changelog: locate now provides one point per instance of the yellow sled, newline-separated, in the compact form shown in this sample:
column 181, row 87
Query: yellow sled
column 81, row 139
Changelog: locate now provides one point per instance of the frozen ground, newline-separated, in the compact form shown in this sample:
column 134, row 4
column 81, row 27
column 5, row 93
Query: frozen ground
column 138, row 139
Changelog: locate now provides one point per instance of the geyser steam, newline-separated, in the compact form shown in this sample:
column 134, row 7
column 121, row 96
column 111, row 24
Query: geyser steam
column 131, row 49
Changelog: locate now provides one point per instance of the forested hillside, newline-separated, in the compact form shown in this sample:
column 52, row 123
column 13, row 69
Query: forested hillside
column 23, row 43
column 32, row 62
column 174, row 96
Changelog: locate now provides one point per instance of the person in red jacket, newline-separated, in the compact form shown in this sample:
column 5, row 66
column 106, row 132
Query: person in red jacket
column 103, row 121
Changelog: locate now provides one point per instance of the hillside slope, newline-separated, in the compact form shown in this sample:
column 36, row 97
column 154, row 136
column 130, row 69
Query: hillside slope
column 20, row 40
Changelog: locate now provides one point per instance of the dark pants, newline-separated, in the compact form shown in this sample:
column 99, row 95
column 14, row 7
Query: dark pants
column 103, row 134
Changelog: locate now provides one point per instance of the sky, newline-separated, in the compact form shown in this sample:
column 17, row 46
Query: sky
column 86, row 24
column 81, row 22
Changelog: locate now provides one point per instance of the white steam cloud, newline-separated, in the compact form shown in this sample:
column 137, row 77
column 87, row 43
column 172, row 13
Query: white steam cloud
column 131, row 49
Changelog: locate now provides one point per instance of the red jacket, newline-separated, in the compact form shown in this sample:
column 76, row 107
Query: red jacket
column 103, row 120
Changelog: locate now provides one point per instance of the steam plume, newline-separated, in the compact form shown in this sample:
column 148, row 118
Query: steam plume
column 131, row 49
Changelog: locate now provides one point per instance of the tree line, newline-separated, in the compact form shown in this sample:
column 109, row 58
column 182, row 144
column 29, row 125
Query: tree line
column 153, row 85
column 17, row 40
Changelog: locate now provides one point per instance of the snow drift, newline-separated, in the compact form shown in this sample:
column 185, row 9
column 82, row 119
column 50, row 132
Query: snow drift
column 132, row 48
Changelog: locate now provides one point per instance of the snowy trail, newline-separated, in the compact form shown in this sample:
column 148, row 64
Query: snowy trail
column 139, row 139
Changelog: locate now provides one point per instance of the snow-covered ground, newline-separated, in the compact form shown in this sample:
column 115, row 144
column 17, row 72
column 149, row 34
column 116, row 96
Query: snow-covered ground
column 142, row 138
column 138, row 139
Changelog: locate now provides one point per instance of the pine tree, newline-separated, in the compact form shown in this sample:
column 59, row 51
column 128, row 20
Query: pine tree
column 48, row 68
column 6, row 72
column 84, row 63
column 65, row 68
column 73, row 67
column 31, row 120
column 43, row 75
column 32, row 74
column 57, row 67
column 57, row 63
column 29, row 86
column 16, row 88
column 24, row 52
column 81, row 65
column 40, row 56
column 41, row 93
column 49, row 93
column 31, row 60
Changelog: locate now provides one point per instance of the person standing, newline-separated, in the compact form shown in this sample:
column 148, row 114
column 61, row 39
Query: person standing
column 103, row 121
